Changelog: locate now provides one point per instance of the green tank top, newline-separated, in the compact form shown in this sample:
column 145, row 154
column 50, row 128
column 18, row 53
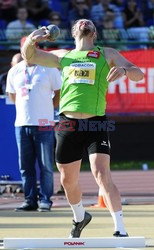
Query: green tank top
column 84, row 82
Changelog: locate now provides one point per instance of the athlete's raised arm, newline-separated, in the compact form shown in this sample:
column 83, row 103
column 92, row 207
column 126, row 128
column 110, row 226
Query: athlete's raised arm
column 121, row 66
column 36, row 56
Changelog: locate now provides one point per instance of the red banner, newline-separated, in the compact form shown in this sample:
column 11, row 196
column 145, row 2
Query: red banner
column 126, row 96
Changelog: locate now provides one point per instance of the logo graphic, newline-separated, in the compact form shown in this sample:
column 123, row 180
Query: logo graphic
column 104, row 143
column 94, row 54
column 74, row 243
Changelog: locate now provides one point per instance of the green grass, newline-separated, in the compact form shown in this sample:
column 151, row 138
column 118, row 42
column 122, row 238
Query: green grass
column 121, row 165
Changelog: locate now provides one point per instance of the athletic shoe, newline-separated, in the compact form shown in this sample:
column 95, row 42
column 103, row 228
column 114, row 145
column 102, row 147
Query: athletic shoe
column 78, row 226
column 26, row 207
column 118, row 234
column 44, row 207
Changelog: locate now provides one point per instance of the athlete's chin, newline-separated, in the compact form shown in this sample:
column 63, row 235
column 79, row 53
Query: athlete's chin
column 86, row 33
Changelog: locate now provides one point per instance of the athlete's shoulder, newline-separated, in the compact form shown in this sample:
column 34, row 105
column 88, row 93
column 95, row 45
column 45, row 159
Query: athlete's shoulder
column 110, row 52
column 59, row 52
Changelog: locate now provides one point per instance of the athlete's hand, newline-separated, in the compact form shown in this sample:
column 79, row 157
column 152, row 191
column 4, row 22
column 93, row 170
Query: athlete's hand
column 115, row 73
column 42, row 34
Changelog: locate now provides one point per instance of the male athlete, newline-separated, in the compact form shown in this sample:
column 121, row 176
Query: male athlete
column 87, row 71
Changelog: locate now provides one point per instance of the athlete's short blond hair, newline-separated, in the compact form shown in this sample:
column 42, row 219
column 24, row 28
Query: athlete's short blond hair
column 74, row 25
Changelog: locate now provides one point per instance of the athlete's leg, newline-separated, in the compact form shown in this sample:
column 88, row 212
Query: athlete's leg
column 100, row 167
column 70, row 181
column 68, row 155
column 69, row 175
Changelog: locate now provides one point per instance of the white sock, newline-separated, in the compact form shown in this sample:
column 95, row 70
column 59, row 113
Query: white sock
column 78, row 211
column 118, row 222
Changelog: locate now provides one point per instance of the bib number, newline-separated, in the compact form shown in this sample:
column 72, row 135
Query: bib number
column 82, row 73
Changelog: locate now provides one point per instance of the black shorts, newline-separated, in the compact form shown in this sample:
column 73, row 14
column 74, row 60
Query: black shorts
column 75, row 135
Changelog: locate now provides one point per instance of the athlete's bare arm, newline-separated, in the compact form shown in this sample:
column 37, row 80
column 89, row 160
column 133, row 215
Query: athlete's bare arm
column 36, row 56
column 121, row 66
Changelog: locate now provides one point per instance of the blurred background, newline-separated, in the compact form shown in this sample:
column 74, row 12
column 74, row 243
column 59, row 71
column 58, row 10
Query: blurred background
column 128, row 26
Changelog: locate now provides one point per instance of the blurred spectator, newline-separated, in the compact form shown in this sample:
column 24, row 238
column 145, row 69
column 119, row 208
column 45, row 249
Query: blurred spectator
column 87, row 2
column 54, row 18
column 148, row 11
column 37, row 10
column 80, row 11
column 17, row 29
column 108, row 20
column 132, row 15
column 134, row 23
column 100, row 10
column 15, row 59
column 119, row 3
column 8, row 10
column 108, row 32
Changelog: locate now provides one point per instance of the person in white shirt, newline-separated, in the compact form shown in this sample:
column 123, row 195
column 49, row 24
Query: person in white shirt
column 35, row 91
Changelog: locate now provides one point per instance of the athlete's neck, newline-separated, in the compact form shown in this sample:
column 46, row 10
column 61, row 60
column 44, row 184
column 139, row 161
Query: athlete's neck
column 84, row 44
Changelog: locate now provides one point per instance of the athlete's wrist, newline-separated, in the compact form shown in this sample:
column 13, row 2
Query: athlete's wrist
column 30, row 40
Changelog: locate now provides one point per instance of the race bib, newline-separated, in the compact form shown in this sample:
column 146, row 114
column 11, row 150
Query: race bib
column 82, row 73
